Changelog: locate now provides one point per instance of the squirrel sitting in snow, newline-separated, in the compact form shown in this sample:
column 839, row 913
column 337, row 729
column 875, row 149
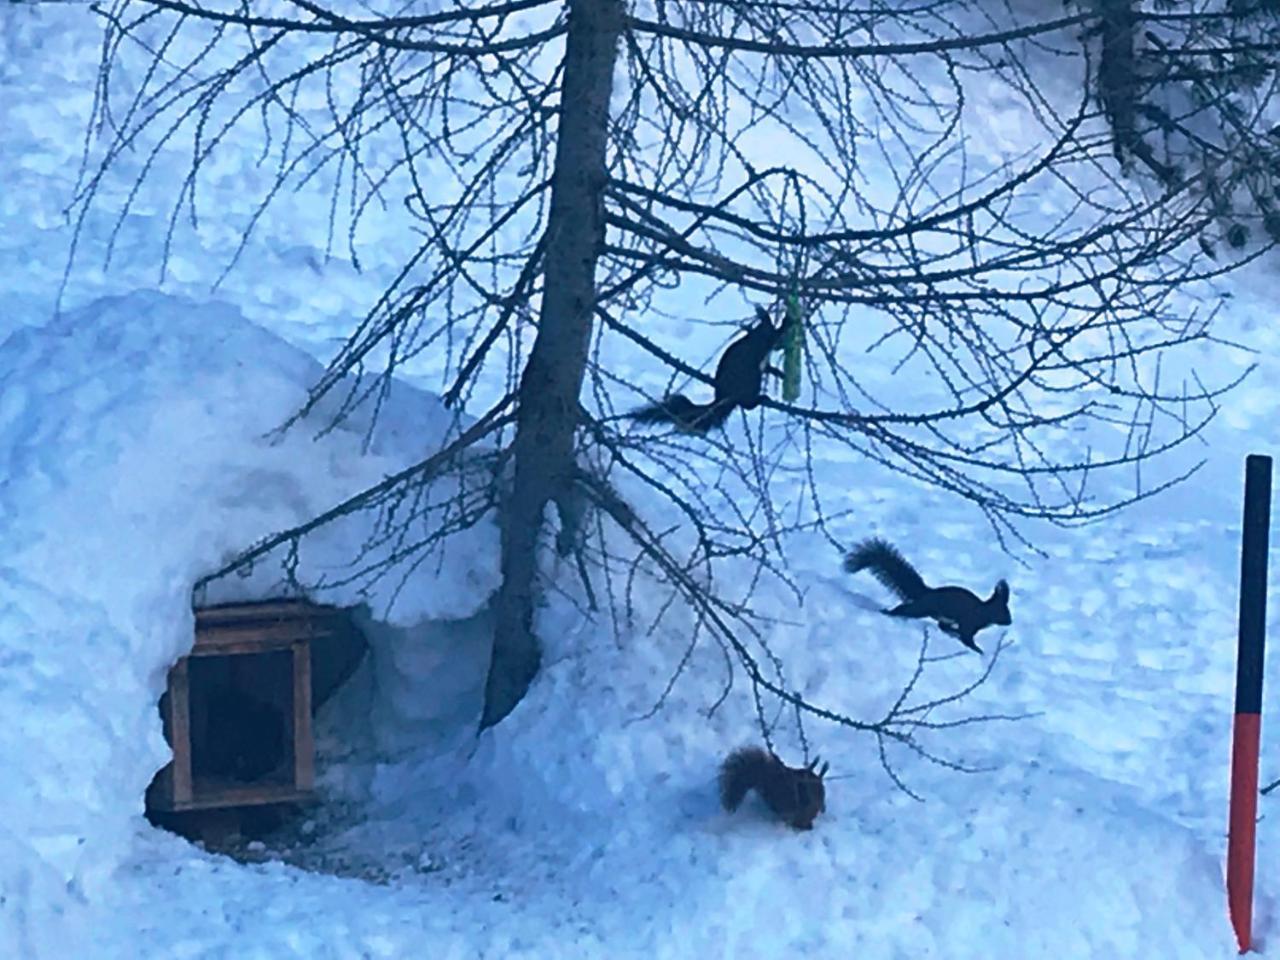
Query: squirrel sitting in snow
column 796, row 795
column 739, row 382
column 957, row 611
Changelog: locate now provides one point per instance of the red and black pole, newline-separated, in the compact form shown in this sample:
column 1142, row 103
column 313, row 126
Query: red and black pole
column 1248, row 720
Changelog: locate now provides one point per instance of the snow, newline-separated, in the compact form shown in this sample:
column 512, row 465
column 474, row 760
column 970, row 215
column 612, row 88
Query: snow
column 138, row 453
column 140, row 430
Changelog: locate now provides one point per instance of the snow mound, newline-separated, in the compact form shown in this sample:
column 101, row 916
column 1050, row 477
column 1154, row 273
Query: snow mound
column 138, row 452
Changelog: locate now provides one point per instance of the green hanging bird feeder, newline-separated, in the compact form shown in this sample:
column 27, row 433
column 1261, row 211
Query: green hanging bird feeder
column 793, row 350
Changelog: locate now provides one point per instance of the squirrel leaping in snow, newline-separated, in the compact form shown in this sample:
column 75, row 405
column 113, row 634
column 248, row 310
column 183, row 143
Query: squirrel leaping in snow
column 796, row 795
column 739, row 381
column 957, row 611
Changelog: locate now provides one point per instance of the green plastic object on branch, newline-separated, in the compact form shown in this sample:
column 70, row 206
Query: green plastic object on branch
column 793, row 348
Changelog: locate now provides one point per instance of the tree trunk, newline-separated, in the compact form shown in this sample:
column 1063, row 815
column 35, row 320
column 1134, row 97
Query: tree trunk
column 552, row 380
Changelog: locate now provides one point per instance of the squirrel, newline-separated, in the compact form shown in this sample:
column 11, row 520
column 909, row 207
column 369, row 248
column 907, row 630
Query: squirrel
column 739, row 382
column 957, row 611
column 796, row 795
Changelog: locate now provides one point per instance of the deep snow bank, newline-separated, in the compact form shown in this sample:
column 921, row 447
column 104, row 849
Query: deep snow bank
column 132, row 442
column 135, row 455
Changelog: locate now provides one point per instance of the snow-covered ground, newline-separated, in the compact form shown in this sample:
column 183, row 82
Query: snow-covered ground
column 135, row 455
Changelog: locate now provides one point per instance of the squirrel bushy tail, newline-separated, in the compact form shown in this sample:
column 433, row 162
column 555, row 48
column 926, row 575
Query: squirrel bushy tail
column 741, row 771
column 888, row 566
column 684, row 414
column 795, row 794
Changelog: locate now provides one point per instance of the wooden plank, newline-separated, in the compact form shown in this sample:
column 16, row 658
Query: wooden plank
column 243, row 795
column 304, row 747
column 267, row 610
column 294, row 628
column 256, row 608
column 232, row 646
column 180, row 731
column 255, row 637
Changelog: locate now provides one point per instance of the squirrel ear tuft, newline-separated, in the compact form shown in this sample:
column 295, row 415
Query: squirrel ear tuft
column 1002, row 590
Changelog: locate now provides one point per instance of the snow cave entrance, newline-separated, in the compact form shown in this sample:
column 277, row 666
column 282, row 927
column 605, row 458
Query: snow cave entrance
column 238, row 713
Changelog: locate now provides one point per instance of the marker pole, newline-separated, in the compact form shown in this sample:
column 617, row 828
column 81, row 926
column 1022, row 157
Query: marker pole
column 1248, row 719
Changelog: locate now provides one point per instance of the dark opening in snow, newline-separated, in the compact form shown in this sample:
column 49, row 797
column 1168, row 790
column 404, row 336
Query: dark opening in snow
column 241, row 720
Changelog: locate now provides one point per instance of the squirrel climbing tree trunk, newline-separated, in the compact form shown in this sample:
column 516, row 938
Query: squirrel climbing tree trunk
column 552, row 379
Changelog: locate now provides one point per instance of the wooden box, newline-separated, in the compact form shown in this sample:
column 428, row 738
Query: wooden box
column 237, row 711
